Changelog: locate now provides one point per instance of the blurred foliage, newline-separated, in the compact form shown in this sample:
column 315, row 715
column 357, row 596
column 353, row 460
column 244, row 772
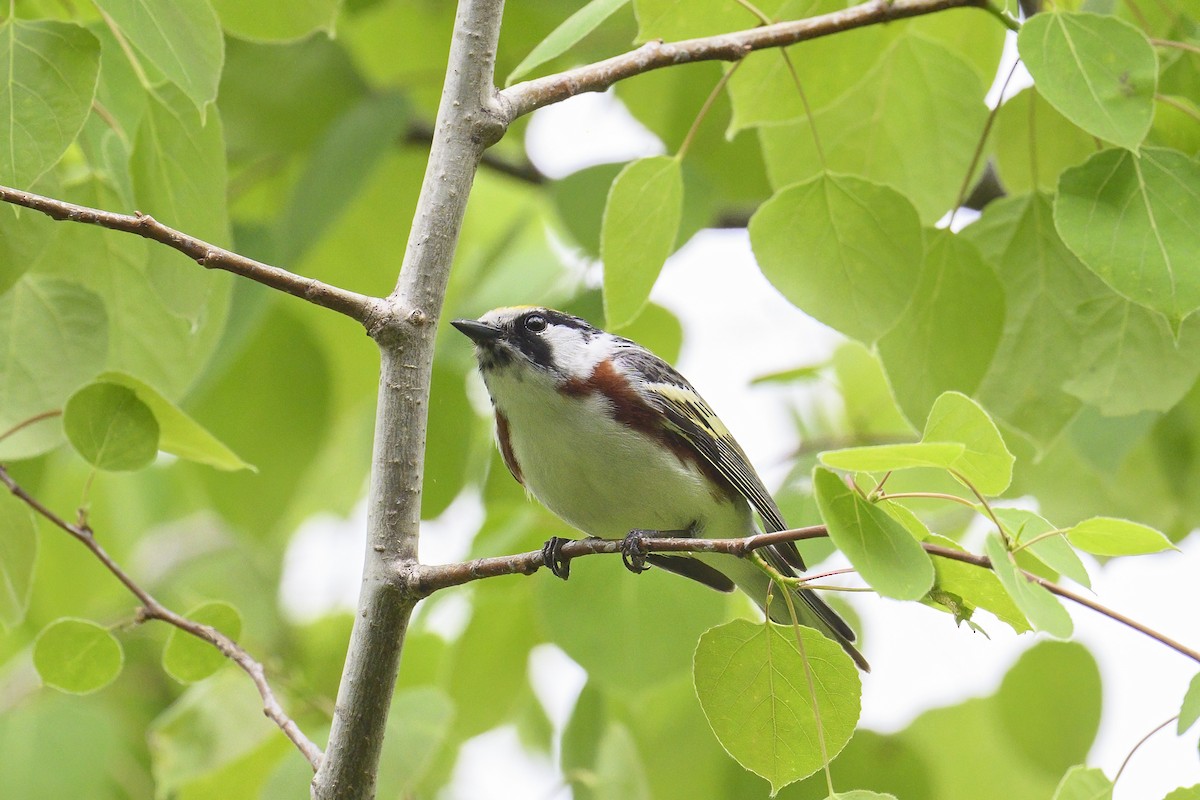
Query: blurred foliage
column 1065, row 311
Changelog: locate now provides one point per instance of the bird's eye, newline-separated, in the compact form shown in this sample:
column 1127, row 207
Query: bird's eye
column 535, row 323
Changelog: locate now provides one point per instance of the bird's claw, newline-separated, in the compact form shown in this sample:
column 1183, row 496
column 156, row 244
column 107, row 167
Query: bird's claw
column 553, row 558
column 634, row 551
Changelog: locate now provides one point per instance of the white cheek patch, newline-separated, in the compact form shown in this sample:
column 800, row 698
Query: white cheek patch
column 575, row 352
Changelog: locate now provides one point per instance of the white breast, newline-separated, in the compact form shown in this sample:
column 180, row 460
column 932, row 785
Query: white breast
column 600, row 476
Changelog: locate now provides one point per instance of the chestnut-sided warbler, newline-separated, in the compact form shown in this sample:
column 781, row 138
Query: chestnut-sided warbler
column 612, row 439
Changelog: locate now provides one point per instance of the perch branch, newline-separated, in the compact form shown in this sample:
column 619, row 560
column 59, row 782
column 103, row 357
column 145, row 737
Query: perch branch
column 431, row 578
column 362, row 308
column 153, row 609
column 522, row 98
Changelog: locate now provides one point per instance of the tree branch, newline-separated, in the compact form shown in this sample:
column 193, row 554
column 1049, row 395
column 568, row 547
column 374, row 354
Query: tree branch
column 468, row 122
column 522, row 98
column 152, row 609
column 360, row 307
column 431, row 578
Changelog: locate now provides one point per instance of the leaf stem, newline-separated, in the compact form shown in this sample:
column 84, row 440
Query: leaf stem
column 983, row 137
column 1141, row 742
column 32, row 420
column 704, row 109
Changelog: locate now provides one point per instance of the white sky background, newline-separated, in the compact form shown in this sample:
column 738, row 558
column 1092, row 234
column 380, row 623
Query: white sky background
column 738, row 327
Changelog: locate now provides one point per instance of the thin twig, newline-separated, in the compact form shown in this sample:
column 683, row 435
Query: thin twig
column 362, row 308
column 428, row 579
column 152, row 609
column 1141, row 742
column 27, row 422
column 1187, row 46
column 527, row 96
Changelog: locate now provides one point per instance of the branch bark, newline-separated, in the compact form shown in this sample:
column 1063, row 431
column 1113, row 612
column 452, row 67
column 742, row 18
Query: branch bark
column 468, row 122
column 431, row 578
column 522, row 98
column 152, row 609
column 360, row 307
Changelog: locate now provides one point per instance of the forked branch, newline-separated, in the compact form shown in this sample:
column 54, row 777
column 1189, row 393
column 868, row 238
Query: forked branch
column 152, row 609
column 522, row 98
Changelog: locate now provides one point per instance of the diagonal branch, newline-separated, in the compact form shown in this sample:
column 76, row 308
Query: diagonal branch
column 431, row 578
column 363, row 308
column 522, row 98
column 152, row 609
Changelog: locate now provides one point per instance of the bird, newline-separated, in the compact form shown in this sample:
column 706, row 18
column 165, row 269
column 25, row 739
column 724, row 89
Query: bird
column 616, row 442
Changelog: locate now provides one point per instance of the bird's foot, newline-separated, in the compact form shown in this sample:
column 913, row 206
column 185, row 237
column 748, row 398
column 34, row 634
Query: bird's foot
column 634, row 551
column 554, row 559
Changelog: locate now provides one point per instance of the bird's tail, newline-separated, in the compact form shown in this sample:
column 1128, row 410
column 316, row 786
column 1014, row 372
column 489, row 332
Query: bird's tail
column 811, row 610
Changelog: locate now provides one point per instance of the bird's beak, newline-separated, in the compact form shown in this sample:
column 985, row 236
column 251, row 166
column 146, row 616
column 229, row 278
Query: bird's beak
column 479, row 332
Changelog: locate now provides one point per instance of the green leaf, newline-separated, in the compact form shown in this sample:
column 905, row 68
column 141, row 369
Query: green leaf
column 42, row 364
column 212, row 729
column 48, row 79
column 1044, row 333
column 978, row 587
column 641, row 220
column 417, row 726
column 1040, row 607
column 111, row 428
column 879, row 130
column 752, row 685
column 24, row 238
column 1130, row 360
column 18, row 555
column 1049, row 705
column 843, row 249
column 77, row 656
column 1131, row 219
column 946, row 338
column 566, row 35
column 579, row 200
column 885, row 554
column 188, row 659
column 871, row 409
column 178, row 169
column 273, row 21
column 1189, row 712
column 887, row 457
column 619, row 771
column 346, row 158
column 1106, row 536
column 179, row 434
column 986, row 461
column 671, row 20
column 182, row 39
column 1053, row 551
column 1099, row 71
column 1035, row 143
column 861, row 794
column 1185, row 793
column 1083, row 783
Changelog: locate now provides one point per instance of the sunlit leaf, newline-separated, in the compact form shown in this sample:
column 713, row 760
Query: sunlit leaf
column 985, row 461
column 1106, row 536
column 566, row 35
column 77, row 656
column 47, row 81
column 845, row 250
column 1040, row 607
column 750, row 679
column 18, row 553
column 641, row 220
column 1083, row 783
column 887, row 457
column 886, row 555
column 272, row 21
column 110, row 427
column 1099, row 71
column 945, row 339
column 1131, row 219
column 188, row 659
column 182, row 39
column 1189, row 712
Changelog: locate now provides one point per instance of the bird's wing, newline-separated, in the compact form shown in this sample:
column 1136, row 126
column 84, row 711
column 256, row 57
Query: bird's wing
column 692, row 419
